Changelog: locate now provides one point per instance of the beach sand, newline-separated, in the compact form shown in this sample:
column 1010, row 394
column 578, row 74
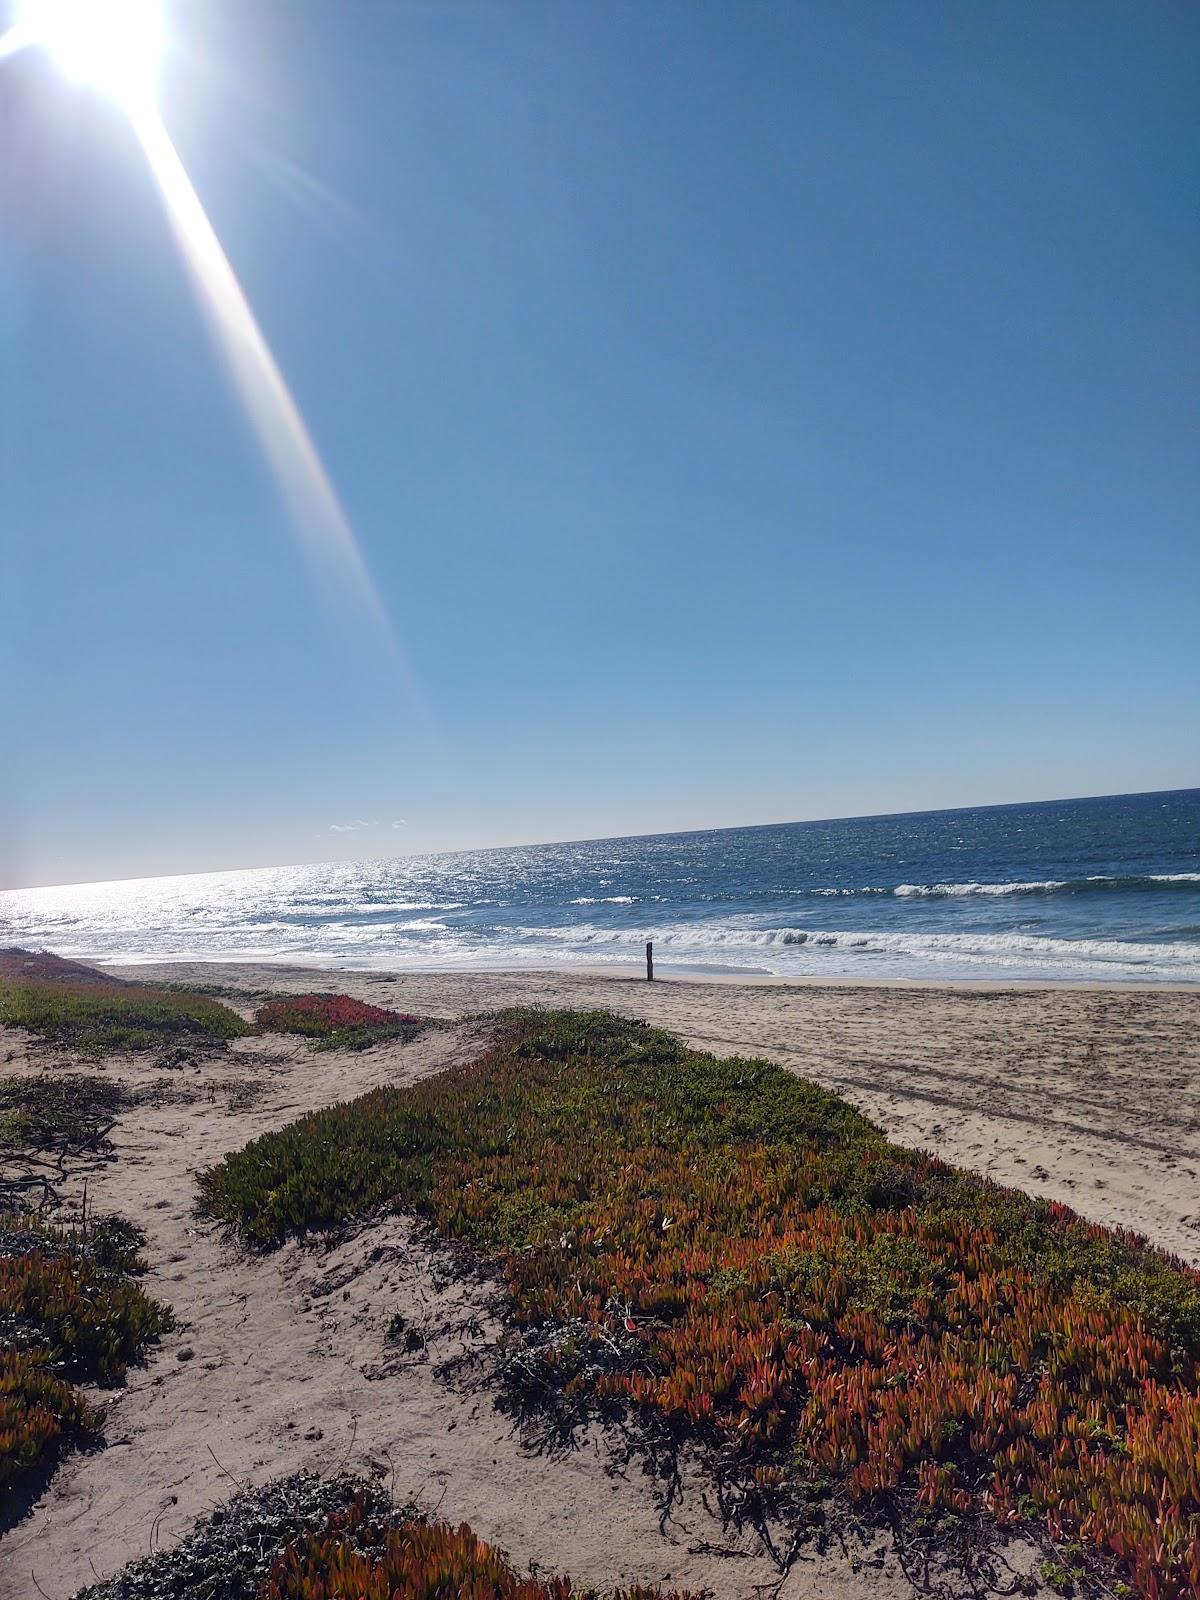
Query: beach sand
column 1091, row 1096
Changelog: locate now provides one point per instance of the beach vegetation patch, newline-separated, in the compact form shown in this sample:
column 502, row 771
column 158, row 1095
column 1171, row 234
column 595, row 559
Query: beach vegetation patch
column 93, row 1014
column 308, row 1538
column 26, row 966
column 337, row 1021
column 739, row 1259
column 229, row 1553
column 407, row 1558
column 71, row 1312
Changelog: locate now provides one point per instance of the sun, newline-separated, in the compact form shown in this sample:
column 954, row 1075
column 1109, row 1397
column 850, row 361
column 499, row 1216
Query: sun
column 112, row 44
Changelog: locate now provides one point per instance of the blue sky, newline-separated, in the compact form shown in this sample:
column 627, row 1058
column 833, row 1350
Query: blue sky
column 748, row 411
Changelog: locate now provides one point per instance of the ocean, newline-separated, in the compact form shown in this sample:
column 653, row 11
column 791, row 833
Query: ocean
column 1101, row 889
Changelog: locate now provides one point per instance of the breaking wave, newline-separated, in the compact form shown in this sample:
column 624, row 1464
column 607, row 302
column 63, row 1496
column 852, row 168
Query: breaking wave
column 784, row 950
column 943, row 891
column 1098, row 883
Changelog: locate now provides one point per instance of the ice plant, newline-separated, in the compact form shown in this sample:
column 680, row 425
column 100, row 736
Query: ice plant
column 741, row 1256
column 70, row 1312
column 407, row 1558
column 310, row 1538
column 75, row 1005
column 336, row 1019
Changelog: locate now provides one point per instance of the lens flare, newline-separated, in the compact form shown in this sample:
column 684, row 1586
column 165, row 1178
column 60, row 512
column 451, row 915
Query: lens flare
column 273, row 412
column 114, row 45
column 17, row 38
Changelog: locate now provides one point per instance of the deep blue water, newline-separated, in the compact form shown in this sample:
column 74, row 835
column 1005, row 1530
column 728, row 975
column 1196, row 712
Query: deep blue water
column 1106, row 888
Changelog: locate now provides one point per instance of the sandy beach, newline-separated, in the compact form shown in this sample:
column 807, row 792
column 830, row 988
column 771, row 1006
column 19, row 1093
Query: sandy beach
column 1086, row 1095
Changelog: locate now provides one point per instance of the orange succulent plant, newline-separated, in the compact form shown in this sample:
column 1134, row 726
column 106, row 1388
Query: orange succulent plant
column 760, row 1268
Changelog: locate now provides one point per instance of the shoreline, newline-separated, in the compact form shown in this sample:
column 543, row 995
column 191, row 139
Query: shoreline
column 664, row 973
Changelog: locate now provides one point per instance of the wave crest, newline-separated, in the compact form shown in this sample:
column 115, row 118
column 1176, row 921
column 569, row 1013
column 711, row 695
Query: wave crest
column 942, row 891
column 1011, row 953
column 1097, row 883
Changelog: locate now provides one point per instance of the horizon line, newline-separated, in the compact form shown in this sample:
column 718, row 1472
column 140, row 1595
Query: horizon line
column 607, row 838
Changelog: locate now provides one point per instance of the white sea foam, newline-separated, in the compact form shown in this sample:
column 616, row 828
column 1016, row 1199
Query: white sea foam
column 953, row 891
column 1101, row 880
column 368, row 907
column 785, row 950
column 837, row 894
column 939, row 891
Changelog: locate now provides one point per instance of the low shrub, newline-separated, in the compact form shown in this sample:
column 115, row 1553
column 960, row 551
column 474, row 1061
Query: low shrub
column 307, row 1538
column 230, row 1552
column 52, row 1128
column 407, row 1558
column 337, row 1021
column 763, row 1271
column 89, row 1012
column 70, row 1312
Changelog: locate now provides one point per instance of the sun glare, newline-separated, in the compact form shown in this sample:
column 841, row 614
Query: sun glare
column 112, row 44
column 316, row 510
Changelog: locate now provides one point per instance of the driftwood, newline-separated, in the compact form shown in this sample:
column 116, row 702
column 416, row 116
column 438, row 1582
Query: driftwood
column 54, row 1132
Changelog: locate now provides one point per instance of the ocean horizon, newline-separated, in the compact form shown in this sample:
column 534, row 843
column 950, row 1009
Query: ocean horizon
column 1105, row 889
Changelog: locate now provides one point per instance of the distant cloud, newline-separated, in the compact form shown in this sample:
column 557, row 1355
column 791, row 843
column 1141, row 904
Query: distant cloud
column 360, row 823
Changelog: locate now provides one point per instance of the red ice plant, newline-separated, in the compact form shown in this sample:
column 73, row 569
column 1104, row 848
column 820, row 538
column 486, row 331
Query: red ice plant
column 318, row 1016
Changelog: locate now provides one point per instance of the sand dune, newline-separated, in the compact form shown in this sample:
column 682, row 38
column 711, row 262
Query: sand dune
column 281, row 1363
column 1086, row 1095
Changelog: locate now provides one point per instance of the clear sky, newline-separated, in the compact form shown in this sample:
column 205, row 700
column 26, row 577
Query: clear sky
column 749, row 411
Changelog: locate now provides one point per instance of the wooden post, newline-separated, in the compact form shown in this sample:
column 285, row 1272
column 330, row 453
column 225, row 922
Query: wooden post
column 649, row 960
